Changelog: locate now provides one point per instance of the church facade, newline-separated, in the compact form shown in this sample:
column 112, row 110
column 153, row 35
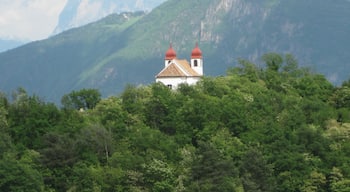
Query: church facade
column 178, row 71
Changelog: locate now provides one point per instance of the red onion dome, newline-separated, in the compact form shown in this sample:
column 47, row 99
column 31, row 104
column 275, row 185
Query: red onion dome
column 170, row 54
column 196, row 53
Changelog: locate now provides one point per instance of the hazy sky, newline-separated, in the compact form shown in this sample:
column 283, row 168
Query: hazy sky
column 29, row 19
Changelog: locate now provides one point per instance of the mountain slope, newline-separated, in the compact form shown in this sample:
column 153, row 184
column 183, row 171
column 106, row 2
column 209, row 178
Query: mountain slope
column 51, row 66
column 78, row 12
column 130, row 48
column 9, row 44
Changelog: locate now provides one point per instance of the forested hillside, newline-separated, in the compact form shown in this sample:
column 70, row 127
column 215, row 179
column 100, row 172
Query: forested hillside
column 277, row 127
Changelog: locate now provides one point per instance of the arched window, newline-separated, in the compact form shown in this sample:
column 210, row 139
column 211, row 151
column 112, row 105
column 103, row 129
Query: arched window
column 195, row 63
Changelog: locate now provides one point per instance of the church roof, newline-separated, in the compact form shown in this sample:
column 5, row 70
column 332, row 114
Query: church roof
column 178, row 68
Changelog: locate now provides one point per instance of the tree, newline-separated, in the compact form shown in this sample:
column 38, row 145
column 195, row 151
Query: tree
column 246, row 69
column 82, row 99
column 133, row 98
column 4, row 101
column 211, row 171
column 97, row 178
column 316, row 182
column 95, row 141
column 256, row 173
column 110, row 113
column 291, row 66
column 29, row 118
column 273, row 61
column 272, row 77
column 341, row 97
column 20, row 175
column 159, row 109
column 337, row 181
column 5, row 142
column 159, row 176
column 59, row 150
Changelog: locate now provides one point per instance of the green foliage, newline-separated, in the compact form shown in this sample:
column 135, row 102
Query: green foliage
column 20, row 174
column 159, row 109
column 5, row 143
column 95, row 143
column 315, row 182
column 58, row 151
column 211, row 171
column 274, row 128
column 337, row 181
column 159, row 176
column 133, row 99
column 273, row 61
column 256, row 173
column 30, row 118
column 82, row 99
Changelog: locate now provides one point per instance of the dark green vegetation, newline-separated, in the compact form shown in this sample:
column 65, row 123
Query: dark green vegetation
column 276, row 128
column 129, row 48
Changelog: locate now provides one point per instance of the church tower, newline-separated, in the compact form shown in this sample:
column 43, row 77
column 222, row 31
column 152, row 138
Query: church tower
column 197, row 60
column 170, row 55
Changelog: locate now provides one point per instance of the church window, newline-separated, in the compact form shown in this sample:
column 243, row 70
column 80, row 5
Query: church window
column 195, row 63
column 170, row 86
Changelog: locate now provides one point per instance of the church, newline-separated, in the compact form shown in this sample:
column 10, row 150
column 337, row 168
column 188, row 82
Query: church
column 178, row 71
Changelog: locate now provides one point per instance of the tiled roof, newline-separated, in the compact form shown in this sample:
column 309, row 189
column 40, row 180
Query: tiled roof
column 178, row 68
column 171, row 71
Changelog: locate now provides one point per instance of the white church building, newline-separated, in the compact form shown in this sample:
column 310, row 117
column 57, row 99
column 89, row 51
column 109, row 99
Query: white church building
column 177, row 71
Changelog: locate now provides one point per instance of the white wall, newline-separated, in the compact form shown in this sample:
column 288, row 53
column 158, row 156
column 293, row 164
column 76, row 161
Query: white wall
column 175, row 81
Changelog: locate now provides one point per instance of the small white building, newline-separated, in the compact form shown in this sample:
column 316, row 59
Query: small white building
column 178, row 71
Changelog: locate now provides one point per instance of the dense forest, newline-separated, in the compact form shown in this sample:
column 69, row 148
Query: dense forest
column 277, row 127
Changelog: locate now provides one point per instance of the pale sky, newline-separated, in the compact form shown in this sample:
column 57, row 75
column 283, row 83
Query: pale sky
column 29, row 19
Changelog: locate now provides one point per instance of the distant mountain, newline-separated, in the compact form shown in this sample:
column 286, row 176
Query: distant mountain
column 130, row 48
column 77, row 13
column 9, row 44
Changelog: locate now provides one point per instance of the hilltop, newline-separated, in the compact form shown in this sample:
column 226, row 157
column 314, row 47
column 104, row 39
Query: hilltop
column 277, row 127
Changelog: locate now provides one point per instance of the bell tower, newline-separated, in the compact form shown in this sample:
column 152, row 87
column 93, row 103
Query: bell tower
column 169, row 55
column 197, row 60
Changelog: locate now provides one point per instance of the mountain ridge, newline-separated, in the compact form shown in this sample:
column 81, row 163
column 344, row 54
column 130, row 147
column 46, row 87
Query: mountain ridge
column 9, row 44
column 77, row 13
